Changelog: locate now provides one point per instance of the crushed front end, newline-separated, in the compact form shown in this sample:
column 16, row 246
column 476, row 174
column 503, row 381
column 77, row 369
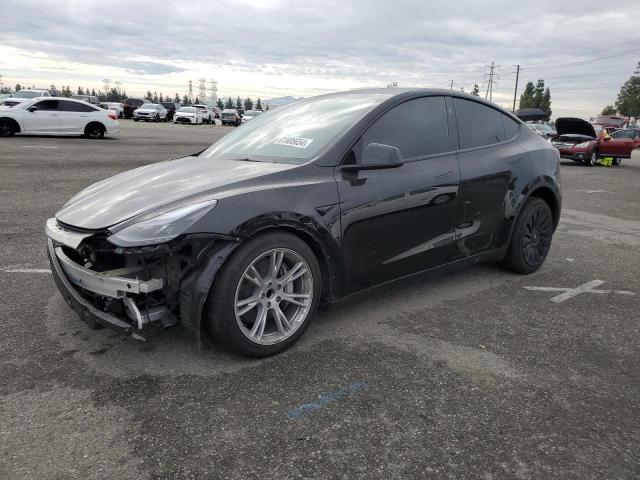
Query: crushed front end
column 127, row 289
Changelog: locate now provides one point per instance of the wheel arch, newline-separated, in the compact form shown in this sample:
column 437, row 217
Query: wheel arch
column 195, row 289
column 549, row 196
column 14, row 121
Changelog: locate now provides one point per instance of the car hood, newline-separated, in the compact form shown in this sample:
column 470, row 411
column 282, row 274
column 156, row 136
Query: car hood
column 567, row 125
column 160, row 185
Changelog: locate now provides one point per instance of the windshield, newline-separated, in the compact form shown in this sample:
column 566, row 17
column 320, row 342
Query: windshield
column 252, row 113
column 187, row 110
column 27, row 94
column 150, row 106
column 297, row 132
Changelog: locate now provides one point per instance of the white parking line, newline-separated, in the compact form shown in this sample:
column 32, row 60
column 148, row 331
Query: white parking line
column 26, row 270
column 38, row 146
column 568, row 293
column 595, row 191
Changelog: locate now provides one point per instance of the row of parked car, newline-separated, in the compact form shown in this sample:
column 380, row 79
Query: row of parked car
column 143, row 110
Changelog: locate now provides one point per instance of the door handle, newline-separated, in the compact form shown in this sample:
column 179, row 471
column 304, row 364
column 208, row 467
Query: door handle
column 444, row 175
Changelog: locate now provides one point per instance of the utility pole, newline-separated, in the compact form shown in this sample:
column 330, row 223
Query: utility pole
column 515, row 92
column 491, row 81
column 451, row 85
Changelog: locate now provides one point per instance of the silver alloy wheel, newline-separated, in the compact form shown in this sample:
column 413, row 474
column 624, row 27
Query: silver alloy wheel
column 594, row 158
column 274, row 296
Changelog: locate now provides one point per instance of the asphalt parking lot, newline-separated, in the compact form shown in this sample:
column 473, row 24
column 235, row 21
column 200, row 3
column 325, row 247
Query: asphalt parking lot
column 477, row 374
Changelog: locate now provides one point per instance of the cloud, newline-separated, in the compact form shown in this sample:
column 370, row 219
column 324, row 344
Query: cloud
column 267, row 47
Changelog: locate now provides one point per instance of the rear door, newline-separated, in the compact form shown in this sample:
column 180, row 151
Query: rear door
column 44, row 119
column 400, row 220
column 74, row 116
column 494, row 174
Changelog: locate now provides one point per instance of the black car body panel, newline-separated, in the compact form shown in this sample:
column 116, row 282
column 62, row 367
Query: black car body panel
column 366, row 226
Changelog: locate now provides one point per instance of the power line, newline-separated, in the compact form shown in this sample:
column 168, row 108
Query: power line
column 591, row 52
column 617, row 56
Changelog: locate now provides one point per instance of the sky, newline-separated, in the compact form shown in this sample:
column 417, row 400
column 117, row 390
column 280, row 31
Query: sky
column 584, row 50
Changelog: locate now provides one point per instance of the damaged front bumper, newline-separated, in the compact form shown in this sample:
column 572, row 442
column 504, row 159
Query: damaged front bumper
column 81, row 286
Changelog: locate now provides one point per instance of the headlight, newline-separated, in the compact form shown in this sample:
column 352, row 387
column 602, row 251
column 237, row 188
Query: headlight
column 583, row 145
column 162, row 228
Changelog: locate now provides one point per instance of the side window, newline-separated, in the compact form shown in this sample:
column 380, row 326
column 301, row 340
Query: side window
column 75, row 107
column 511, row 127
column 47, row 105
column 478, row 124
column 417, row 127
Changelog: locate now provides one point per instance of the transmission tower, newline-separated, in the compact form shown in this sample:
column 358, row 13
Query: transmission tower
column 213, row 90
column 107, row 86
column 202, row 89
column 190, row 95
column 493, row 74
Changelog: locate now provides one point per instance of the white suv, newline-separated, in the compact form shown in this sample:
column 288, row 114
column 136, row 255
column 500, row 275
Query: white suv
column 205, row 111
column 24, row 95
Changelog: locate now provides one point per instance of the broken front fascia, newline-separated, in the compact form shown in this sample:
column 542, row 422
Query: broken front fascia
column 130, row 288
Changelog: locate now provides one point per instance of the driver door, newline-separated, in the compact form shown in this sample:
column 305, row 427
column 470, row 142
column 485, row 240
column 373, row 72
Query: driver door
column 45, row 118
column 398, row 221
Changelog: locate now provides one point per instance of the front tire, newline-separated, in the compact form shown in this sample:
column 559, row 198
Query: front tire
column 7, row 128
column 531, row 238
column 264, row 297
column 592, row 159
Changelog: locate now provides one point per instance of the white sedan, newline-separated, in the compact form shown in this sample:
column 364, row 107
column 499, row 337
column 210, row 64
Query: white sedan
column 150, row 112
column 188, row 115
column 57, row 116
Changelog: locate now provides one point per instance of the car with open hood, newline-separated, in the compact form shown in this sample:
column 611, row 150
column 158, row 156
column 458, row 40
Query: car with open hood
column 305, row 205
column 576, row 140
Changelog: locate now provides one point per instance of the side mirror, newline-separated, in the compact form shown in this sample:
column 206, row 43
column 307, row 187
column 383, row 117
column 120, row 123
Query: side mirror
column 377, row 156
column 32, row 108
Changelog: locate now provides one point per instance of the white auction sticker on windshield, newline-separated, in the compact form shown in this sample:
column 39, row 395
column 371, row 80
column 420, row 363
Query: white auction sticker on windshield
column 297, row 142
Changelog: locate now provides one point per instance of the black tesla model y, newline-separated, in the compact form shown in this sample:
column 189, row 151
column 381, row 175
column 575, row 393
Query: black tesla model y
column 308, row 203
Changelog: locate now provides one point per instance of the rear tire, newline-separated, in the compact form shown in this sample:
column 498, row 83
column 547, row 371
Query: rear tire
column 616, row 161
column 233, row 329
column 531, row 238
column 94, row 131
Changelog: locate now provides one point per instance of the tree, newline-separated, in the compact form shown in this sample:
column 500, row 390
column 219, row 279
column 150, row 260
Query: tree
column 66, row 91
column 238, row 102
column 545, row 104
column 526, row 99
column 155, row 97
column 80, row 91
column 609, row 110
column 266, row 109
column 229, row 103
column 93, row 93
column 219, row 104
column 161, row 98
column 149, row 95
column 628, row 101
column 18, row 87
column 476, row 90
column 176, row 99
column 185, row 100
column 248, row 104
column 258, row 104
column 538, row 93
column 197, row 101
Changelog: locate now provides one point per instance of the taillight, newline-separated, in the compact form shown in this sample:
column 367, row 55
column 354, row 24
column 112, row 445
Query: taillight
column 112, row 116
